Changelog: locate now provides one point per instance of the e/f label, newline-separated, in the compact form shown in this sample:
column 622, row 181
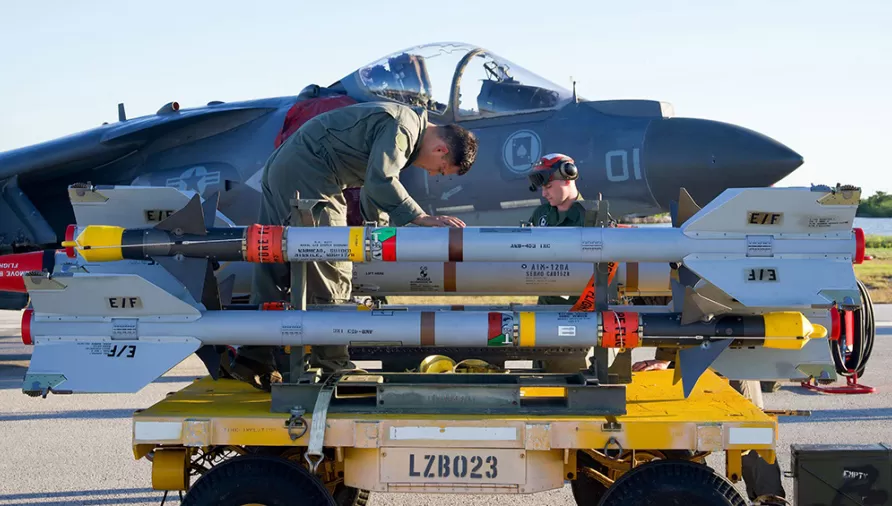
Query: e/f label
column 764, row 218
column 763, row 274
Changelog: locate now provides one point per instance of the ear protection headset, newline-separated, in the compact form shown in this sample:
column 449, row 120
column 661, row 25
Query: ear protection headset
column 552, row 167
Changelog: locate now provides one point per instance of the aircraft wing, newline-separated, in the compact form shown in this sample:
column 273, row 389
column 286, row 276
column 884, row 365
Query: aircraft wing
column 32, row 175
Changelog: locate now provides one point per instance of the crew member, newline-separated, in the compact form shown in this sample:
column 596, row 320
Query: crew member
column 763, row 480
column 363, row 145
column 556, row 174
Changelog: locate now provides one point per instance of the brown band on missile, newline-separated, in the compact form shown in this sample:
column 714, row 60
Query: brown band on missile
column 456, row 237
column 632, row 277
column 449, row 276
column 457, row 308
column 427, row 328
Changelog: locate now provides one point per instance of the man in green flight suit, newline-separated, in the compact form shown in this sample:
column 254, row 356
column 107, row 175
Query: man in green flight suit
column 367, row 145
column 556, row 174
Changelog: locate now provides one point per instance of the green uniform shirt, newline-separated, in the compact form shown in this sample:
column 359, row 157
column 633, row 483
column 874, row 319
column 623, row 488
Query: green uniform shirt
column 547, row 215
column 370, row 143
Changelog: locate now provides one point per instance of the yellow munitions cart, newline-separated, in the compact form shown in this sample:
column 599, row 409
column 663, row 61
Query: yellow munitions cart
column 223, row 443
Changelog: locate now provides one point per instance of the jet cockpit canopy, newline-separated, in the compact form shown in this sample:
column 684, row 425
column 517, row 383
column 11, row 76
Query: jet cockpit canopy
column 457, row 79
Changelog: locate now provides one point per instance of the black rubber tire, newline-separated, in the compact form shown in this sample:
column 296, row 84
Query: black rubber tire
column 262, row 479
column 672, row 482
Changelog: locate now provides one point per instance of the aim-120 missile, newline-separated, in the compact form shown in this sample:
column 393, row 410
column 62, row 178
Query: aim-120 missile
column 503, row 278
column 88, row 328
column 783, row 247
column 413, row 278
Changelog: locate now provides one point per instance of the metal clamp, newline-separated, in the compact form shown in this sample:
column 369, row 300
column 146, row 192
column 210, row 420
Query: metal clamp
column 314, row 455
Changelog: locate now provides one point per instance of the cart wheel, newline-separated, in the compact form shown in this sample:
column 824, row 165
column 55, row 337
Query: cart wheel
column 672, row 482
column 258, row 479
column 350, row 496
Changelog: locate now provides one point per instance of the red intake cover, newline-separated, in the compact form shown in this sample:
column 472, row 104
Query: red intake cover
column 13, row 267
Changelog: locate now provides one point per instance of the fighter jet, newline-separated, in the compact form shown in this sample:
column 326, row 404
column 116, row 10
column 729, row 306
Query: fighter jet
column 634, row 153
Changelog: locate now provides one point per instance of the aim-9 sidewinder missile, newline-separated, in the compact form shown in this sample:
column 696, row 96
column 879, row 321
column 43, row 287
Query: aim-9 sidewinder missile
column 88, row 328
column 786, row 247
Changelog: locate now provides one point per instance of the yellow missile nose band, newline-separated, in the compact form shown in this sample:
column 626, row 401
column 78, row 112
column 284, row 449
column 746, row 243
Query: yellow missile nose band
column 790, row 330
column 98, row 243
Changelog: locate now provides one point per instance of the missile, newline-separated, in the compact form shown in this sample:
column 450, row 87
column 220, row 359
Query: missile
column 87, row 328
column 760, row 246
column 412, row 278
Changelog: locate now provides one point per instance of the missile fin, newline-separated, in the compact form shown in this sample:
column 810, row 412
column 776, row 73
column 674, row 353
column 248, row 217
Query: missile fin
column 188, row 220
column 211, row 357
column 686, row 207
column 192, row 273
column 209, row 209
column 693, row 362
column 103, row 365
column 789, row 282
column 91, row 294
column 673, row 214
column 745, row 364
column 227, row 286
column 697, row 307
column 771, row 211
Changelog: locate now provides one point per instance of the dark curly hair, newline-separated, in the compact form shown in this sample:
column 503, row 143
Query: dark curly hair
column 462, row 144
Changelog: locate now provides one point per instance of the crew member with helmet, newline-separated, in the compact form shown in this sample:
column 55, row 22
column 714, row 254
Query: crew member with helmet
column 556, row 174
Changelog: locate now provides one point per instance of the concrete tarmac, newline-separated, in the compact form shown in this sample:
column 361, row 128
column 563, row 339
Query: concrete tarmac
column 76, row 449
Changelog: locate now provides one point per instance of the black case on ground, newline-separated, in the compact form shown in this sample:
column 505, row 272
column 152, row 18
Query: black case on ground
column 842, row 475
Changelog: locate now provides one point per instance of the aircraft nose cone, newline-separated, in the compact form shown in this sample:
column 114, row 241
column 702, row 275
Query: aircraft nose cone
column 706, row 157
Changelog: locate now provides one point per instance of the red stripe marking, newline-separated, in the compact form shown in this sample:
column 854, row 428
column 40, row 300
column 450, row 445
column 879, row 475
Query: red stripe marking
column 388, row 250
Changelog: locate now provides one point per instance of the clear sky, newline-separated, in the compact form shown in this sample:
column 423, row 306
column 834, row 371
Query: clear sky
column 813, row 74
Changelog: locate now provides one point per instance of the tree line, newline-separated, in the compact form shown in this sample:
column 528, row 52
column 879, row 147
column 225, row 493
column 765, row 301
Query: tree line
column 878, row 205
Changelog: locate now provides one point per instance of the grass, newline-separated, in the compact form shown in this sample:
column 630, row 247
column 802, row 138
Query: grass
column 878, row 241
column 876, row 274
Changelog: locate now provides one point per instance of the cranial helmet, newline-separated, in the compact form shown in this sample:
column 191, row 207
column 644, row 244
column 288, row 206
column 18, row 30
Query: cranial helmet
column 554, row 166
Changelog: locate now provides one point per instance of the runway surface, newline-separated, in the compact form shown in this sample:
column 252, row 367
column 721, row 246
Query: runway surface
column 76, row 449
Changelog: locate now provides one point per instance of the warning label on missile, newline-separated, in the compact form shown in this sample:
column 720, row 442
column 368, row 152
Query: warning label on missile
column 320, row 251
column 319, row 245
column 827, row 222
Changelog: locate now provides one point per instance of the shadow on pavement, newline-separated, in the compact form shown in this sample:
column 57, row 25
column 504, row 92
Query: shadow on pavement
column 89, row 414
column 840, row 415
column 86, row 497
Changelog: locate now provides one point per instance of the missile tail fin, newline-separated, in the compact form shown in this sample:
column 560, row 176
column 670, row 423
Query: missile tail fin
column 103, row 365
column 779, row 282
column 91, row 294
column 227, row 287
column 686, row 207
column 771, row 211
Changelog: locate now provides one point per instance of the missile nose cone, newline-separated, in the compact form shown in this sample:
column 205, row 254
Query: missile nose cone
column 706, row 157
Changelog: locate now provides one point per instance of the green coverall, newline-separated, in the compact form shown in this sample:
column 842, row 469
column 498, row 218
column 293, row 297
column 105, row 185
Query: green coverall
column 365, row 145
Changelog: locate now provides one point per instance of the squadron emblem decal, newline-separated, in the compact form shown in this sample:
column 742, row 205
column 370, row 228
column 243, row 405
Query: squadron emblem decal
column 521, row 149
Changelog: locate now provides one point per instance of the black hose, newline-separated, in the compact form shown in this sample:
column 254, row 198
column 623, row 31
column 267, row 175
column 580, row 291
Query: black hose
column 862, row 340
